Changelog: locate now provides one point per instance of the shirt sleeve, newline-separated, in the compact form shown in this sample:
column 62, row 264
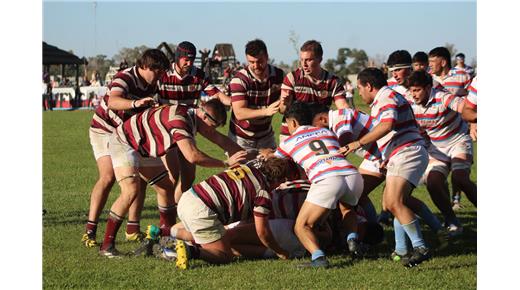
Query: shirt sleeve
column 262, row 203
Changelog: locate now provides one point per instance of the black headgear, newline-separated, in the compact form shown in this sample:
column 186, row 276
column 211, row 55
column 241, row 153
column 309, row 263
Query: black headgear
column 185, row 49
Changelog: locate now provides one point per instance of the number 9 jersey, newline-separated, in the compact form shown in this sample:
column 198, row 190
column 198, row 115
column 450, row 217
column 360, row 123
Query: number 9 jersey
column 316, row 151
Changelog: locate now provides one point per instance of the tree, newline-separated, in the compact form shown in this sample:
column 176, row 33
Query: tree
column 294, row 39
column 99, row 63
column 348, row 61
column 130, row 54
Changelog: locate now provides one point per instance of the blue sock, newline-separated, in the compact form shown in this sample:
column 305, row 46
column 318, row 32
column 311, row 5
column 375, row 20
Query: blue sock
column 429, row 218
column 400, row 239
column 316, row 254
column 413, row 231
column 370, row 212
column 352, row 236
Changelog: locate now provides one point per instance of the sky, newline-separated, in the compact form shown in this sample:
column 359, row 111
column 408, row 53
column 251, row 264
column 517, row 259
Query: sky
column 101, row 27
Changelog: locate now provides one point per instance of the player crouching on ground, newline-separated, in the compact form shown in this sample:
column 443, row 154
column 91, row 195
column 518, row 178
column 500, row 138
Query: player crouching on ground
column 237, row 194
column 153, row 133
column 332, row 178
column 287, row 200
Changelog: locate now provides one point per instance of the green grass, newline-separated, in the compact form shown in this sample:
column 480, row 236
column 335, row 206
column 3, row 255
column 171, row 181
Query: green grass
column 69, row 172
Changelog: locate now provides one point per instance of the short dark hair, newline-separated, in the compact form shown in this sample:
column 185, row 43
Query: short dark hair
column 274, row 169
column 256, row 47
column 420, row 56
column 460, row 54
column 399, row 57
column 373, row 76
column 419, row 79
column 218, row 109
column 301, row 112
column 314, row 46
column 441, row 52
column 317, row 108
column 153, row 59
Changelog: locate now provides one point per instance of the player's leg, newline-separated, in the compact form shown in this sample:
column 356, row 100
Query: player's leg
column 436, row 180
column 404, row 171
column 101, row 190
column 310, row 216
column 126, row 164
column 372, row 178
column 462, row 158
column 156, row 175
column 352, row 193
column 98, row 198
column 461, row 176
column 133, row 225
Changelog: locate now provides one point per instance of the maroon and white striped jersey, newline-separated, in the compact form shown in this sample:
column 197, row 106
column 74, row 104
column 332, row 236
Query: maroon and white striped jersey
column 174, row 89
column 132, row 87
column 156, row 130
column 303, row 88
column 235, row 194
column 259, row 94
column 288, row 198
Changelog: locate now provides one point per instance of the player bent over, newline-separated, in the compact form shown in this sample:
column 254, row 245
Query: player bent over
column 402, row 150
column 153, row 133
column 287, row 200
column 332, row 178
column 237, row 194
column 134, row 87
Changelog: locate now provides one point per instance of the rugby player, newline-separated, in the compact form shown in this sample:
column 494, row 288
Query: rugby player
column 437, row 113
column 310, row 83
column 420, row 61
column 287, row 200
column 183, row 83
column 135, row 86
column 460, row 58
column 153, row 133
column 237, row 194
column 255, row 94
column 402, row 150
column 332, row 179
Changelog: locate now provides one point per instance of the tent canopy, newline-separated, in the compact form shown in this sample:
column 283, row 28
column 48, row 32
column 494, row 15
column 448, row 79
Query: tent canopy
column 55, row 56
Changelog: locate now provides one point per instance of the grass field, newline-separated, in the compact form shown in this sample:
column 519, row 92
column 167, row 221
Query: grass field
column 69, row 172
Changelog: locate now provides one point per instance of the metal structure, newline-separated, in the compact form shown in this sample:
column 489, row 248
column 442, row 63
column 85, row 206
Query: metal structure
column 222, row 56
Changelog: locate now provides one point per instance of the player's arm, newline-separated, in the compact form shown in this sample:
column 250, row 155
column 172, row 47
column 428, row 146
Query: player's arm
column 469, row 114
column 116, row 101
column 375, row 134
column 266, row 236
column 224, row 99
column 285, row 100
column 242, row 112
column 195, row 156
column 218, row 138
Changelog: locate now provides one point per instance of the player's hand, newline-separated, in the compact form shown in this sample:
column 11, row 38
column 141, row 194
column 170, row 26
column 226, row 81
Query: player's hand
column 144, row 102
column 272, row 109
column 351, row 147
column 473, row 131
column 237, row 158
column 264, row 153
column 283, row 255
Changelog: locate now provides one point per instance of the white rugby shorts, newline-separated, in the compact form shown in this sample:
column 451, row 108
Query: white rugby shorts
column 327, row 192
